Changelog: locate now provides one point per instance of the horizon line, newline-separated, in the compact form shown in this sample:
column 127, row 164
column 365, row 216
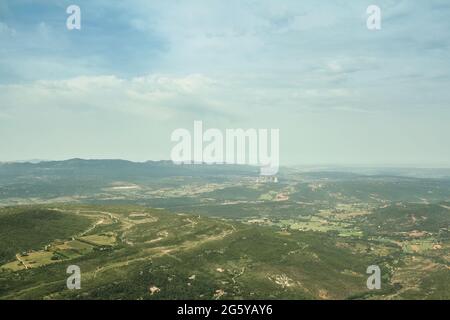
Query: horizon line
column 299, row 165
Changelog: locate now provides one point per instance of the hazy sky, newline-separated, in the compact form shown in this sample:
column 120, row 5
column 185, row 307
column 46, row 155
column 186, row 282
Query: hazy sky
column 137, row 70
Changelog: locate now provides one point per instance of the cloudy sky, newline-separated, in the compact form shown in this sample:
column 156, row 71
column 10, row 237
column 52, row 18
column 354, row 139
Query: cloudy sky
column 137, row 70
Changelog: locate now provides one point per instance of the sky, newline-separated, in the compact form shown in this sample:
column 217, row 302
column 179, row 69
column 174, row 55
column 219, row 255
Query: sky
column 339, row 93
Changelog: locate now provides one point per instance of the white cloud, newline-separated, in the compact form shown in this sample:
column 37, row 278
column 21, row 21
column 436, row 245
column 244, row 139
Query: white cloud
column 159, row 96
column 167, row 97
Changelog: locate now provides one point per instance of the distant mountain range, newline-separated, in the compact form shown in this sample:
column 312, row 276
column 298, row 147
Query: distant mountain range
column 116, row 169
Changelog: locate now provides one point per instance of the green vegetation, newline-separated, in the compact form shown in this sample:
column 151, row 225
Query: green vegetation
column 28, row 228
column 152, row 231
